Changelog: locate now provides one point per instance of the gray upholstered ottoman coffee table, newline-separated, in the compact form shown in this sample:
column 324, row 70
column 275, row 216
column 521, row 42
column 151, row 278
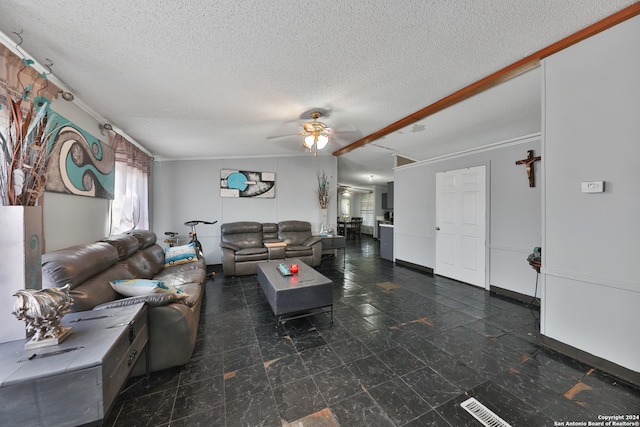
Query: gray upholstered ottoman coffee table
column 291, row 296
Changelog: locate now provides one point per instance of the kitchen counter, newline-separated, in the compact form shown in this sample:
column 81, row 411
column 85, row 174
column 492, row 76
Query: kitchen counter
column 379, row 221
column 386, row 241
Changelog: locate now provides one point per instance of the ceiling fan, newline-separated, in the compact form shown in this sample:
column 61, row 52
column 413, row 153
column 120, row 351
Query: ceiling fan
column 316, row 134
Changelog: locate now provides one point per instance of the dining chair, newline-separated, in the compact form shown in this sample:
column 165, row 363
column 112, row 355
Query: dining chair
column 340, row 227
column 355, row 228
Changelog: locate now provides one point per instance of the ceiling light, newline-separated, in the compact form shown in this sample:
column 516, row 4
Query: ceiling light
column 370, row 177
column 322, row 141
column 309, row 141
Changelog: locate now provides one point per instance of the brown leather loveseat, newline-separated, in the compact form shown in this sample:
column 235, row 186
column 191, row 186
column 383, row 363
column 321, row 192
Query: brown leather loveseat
column 243, row 245
column 89, row 268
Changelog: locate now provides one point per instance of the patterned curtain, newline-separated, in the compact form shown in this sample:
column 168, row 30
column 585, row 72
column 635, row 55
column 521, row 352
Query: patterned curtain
column 130, row 206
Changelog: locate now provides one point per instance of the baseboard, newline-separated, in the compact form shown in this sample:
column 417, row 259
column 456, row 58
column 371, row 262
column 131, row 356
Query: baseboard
column 420, row 268
column 515, row 295
column 604, row 365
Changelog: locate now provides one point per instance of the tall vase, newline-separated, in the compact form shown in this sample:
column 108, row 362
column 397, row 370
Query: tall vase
column 20, row 262
column 323, row 221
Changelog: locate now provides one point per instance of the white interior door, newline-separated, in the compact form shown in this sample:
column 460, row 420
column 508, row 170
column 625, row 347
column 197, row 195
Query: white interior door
column 461, row 224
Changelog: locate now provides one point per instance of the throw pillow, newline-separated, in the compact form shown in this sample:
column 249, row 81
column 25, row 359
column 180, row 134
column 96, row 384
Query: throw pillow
column 138, row 287
column 180, row 255
column 152, row 300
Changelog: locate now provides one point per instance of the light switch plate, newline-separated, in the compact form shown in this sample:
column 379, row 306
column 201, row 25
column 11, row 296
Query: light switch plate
column 593, row 187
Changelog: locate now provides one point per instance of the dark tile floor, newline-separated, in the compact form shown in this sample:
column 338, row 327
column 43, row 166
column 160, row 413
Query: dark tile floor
column 405, row 350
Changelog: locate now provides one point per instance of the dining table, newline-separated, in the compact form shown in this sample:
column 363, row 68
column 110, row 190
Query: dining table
column 344, row 225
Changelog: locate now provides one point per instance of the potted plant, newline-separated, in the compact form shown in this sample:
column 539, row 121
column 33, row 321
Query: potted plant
column 323, row 200
column 24, row 154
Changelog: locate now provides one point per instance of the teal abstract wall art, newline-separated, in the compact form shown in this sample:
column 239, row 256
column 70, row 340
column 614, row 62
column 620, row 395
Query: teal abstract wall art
column 79, row 163
column 236, row 183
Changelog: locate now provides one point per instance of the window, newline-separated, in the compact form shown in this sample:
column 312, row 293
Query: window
column 367, row 209
column 345, row 207
column 130, row 206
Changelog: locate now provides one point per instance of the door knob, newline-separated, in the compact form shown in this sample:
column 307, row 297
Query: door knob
column 437, row 228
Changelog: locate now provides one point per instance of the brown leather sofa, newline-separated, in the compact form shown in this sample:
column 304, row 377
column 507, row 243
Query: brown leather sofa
column 88, row 268
column 242, row 245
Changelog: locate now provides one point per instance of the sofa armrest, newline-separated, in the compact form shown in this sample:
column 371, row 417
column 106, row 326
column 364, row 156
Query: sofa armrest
column 228, row 261
column 227, row 245
column 272, row 241
column 311, row 240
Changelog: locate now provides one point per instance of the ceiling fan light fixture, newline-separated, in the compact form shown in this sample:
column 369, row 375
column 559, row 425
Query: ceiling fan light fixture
column 309, row 141
column 322, row 141
column 315, row 133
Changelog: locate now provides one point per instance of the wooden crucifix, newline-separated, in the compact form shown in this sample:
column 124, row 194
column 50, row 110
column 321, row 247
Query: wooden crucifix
column 528, row 162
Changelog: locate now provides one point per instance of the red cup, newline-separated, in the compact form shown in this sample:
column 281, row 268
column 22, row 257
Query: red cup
column 293, row 268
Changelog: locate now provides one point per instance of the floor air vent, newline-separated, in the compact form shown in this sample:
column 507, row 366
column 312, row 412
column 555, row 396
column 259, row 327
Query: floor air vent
column 483, row 414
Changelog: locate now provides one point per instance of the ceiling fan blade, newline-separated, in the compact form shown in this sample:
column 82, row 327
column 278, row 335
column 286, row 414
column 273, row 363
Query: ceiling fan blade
column 287, row 135
column 292, row 145
column 346, row 136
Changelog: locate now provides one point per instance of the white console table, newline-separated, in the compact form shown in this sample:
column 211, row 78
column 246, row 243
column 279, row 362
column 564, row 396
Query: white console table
column 77, row 381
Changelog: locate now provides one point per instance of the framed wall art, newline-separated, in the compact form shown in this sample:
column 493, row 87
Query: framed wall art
column 237, row 183
column 79, row 163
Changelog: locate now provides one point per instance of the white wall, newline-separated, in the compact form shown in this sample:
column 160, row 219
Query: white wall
column 190, row 189
column 592, row 241
column 70, row 219
column 513, row 221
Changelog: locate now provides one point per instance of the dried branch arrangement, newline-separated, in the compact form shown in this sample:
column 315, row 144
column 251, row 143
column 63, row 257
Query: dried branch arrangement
column 23, row 141
column 323, row 190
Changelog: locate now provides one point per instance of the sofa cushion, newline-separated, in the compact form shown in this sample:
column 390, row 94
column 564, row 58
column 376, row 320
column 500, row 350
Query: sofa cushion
column 252, row 254
column 155, row 256
column 298, row 251
column 187, row 277
column 125, row 245
column 177, row 255
column 294, row 233
column 269, row 232
column 76, row 264
column 227, row 245
column 179, row 278
column 244, row 234
column 139, row 266
column 198, row 266
column 145, row 238
column 96, row 290
column 192, row 289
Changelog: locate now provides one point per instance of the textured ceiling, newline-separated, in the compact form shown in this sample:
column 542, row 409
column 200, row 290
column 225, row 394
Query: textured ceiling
column 214, row 79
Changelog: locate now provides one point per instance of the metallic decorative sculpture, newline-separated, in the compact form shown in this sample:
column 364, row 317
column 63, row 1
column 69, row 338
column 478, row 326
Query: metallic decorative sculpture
column 43, row 310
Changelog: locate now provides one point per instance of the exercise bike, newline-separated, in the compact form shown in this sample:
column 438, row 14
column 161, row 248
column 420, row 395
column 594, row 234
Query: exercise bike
column 193, row 235
column 172, row 236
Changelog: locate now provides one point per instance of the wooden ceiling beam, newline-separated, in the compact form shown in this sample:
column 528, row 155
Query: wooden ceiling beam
column 500, row 76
